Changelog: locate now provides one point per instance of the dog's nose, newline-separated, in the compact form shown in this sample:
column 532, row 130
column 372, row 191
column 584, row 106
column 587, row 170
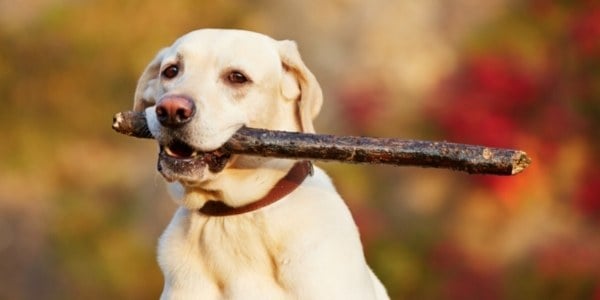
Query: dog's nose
column 174, row 111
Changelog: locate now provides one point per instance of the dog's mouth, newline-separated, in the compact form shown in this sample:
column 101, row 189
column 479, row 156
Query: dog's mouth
column 180, row 150
column 179, row 160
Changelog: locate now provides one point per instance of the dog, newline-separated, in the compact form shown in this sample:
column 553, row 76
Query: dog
column 247, row 227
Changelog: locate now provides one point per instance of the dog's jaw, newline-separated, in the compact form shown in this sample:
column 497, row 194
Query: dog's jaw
column 192, row 170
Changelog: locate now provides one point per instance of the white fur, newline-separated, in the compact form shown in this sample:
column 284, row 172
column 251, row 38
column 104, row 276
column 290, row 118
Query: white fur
column 304, row 246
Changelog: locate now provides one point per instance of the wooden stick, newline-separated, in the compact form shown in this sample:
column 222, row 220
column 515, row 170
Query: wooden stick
column 261, row 142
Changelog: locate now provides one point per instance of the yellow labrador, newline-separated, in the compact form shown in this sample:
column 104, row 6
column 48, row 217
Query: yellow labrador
column 247, row 227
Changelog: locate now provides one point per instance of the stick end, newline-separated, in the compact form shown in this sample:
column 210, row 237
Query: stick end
column 118, row 123
column 131, row 123
column 117, row 120
column 520, row 161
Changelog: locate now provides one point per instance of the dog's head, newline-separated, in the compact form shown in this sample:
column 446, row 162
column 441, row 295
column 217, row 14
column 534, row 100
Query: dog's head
column 198, row 92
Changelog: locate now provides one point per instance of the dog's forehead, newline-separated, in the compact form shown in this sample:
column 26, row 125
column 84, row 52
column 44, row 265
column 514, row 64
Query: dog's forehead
column 225, row 34
column 227, row 46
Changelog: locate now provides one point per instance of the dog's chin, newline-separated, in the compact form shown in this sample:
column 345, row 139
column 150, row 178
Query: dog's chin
column 177, row 161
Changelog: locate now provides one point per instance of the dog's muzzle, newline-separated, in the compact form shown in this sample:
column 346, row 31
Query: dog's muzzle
column 177, row 160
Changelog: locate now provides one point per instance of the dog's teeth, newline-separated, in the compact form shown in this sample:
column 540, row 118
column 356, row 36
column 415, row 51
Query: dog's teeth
column 169, row 152
column 174, row 153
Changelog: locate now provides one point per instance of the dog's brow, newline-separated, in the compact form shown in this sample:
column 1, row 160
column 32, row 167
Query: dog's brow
column 178, row 59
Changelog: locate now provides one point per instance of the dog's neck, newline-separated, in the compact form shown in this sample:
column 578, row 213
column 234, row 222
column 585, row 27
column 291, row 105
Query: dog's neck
column 242, row 183
column 294, row 177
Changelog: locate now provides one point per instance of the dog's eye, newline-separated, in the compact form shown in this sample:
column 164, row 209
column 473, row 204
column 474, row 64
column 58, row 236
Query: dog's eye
column 170, row 72
column 237, row 77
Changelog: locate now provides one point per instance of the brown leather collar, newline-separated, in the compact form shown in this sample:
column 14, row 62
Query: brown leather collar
column 284, row 186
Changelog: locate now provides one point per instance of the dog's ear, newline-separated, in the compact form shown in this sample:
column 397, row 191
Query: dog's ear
column 147, row 86
column 300, row 84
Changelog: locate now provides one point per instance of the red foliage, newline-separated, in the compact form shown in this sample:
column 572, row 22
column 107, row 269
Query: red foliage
column 371, row 223
column 587, row 198
column 463, row 277
column 494, row 98
column 586, row 31
column 362, row 104
column 568, row 258
column 486, row 100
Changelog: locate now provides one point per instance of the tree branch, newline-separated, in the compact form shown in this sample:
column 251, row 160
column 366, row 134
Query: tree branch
column 261, row 142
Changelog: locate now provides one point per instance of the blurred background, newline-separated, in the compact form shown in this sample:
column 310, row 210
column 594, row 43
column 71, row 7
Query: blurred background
column 81, row 207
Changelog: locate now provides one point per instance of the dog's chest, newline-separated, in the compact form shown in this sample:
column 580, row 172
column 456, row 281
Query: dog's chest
column 227, row 254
